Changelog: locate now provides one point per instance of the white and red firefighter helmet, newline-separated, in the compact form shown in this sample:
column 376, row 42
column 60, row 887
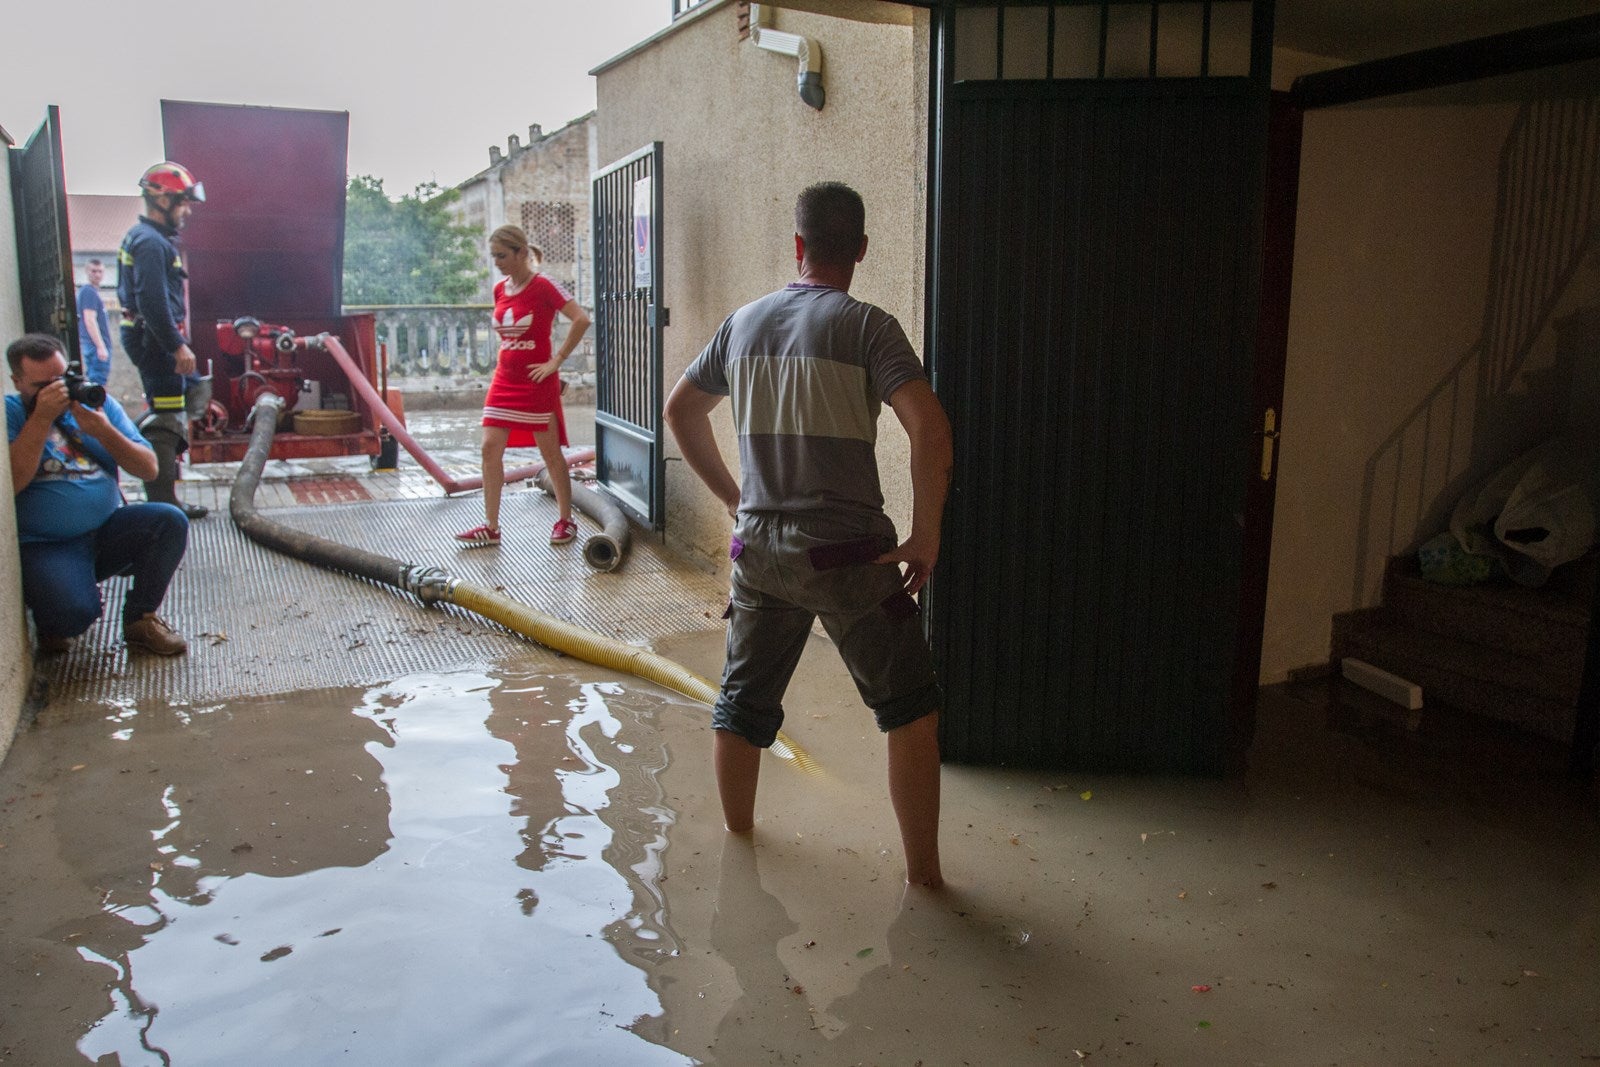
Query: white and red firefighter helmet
column 172, row 179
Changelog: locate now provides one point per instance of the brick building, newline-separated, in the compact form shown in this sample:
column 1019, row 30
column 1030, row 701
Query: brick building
column 542, row 186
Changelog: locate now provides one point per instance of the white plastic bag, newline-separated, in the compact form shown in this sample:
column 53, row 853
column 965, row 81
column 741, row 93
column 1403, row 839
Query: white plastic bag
column 1549, row 518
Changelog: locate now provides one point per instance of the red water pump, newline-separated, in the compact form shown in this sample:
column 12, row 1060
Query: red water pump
column 258, row 358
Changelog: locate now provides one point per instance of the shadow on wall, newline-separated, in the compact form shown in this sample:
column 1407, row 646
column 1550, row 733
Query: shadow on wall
column 1492, row 406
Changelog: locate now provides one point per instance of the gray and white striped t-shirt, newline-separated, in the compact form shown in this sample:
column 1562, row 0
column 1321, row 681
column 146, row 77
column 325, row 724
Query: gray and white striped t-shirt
column 808, row 368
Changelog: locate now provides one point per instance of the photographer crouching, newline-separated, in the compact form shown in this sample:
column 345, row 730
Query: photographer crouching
column 68, row 438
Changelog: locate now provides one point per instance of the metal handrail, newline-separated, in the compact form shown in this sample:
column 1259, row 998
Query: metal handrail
column 1545, row 224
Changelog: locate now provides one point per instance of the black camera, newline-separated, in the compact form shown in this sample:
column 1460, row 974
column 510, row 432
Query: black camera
column 82, row 390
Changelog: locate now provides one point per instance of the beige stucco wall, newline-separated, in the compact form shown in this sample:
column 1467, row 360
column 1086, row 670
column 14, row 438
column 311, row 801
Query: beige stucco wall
column 739, row 144
column 1289, row 64
column 16, row 663
column 1393, row 253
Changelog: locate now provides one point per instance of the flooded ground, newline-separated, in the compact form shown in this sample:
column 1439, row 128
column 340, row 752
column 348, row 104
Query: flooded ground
column 521, row 861
column 501, row 867
column 411, row 874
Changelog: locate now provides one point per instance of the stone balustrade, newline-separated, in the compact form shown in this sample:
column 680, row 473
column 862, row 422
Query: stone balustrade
column 454, row 341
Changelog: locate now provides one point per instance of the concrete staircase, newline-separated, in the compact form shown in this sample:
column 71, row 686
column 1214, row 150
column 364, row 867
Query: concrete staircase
column 1501, row 651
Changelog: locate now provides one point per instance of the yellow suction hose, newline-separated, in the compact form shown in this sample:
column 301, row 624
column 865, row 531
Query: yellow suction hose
column 603, row 652
column 432, row 584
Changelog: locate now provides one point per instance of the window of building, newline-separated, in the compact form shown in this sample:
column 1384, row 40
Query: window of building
column 1094, row 39
column 553, row 226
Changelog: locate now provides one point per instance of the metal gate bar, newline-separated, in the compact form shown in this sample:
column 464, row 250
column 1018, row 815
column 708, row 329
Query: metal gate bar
column 628, row 322
column 44, row 251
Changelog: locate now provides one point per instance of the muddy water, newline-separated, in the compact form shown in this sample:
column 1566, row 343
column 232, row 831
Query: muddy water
column 496, row 867
column 449, row 869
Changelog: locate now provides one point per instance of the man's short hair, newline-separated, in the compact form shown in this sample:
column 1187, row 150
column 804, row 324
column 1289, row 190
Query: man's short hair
column 832, row 220
column 35, row 346
column 96, row 263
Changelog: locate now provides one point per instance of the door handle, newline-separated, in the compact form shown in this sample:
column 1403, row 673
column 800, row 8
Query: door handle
column 1269, row 441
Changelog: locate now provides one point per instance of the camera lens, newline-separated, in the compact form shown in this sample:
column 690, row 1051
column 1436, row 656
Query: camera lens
column 84, row 391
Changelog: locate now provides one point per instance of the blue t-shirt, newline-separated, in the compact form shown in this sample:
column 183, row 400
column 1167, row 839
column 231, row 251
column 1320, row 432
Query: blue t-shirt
column 75, row 488
column 89, row 300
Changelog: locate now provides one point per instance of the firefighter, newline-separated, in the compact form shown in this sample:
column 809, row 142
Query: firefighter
column 152, row 287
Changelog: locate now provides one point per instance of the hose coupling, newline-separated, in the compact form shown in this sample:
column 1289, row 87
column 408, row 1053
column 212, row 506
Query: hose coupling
column 264, row 399
column 428, row 584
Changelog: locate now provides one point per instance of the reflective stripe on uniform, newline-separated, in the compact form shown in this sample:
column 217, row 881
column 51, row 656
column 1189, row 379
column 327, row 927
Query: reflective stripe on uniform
column 167, row 403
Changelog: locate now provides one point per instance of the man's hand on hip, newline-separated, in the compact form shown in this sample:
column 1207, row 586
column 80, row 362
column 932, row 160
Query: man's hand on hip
column 919, row 558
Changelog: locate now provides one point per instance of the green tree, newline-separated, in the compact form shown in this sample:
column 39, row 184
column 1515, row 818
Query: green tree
column 408, row 251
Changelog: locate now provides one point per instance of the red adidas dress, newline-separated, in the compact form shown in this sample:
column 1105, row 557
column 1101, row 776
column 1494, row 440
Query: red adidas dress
column 515, row 401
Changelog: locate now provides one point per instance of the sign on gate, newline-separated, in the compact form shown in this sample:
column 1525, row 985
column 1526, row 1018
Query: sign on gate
column 642, row 210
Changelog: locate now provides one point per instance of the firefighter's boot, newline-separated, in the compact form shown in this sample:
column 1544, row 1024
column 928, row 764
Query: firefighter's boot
column 163, row 490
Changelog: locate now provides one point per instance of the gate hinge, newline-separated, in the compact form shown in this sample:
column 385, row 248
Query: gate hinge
column 660, row 316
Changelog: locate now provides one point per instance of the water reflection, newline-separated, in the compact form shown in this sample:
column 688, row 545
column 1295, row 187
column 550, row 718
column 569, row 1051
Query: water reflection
column 749, row 926
column 317, row 885
column 598, row 799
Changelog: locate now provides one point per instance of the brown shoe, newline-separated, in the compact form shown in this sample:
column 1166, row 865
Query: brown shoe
column 54, row 646
column 153, row 635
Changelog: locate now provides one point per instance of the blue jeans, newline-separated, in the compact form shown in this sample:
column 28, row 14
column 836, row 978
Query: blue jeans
column 97, row 370
column 61, row 579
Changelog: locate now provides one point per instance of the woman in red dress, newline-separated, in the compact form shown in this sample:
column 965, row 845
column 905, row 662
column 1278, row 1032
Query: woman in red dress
column 524, row 403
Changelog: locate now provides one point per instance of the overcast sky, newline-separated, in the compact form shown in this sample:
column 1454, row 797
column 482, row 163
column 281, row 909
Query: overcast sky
column 429, row 87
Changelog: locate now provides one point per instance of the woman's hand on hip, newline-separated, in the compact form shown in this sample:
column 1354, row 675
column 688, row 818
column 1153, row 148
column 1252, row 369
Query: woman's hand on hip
column 540, row 371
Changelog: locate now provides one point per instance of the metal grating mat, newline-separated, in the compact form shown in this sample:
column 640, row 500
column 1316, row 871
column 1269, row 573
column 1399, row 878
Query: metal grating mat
column 260, row 624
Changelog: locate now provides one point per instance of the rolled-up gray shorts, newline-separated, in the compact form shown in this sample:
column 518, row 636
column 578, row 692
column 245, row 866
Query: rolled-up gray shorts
column 789, row 571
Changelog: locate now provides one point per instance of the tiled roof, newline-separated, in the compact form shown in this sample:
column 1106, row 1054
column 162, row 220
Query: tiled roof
column 97, row 223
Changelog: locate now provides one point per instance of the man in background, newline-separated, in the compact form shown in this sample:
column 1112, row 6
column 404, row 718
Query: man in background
column 94, row 326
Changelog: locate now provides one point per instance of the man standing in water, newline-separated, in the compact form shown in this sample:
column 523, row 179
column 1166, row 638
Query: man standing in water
column 808, row 368
column 152, row 286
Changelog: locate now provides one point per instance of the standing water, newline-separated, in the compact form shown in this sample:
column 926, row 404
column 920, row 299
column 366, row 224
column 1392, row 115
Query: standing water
column 498, row 867
column 463, row 869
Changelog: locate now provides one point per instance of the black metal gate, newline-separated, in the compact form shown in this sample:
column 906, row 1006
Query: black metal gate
column 1095, row 288
column 44, row 250
column 629, row 318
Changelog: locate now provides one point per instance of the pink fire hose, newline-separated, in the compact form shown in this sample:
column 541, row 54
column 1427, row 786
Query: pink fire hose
column 391, row 422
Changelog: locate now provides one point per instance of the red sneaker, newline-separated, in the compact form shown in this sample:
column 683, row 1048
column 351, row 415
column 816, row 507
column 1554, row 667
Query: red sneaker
column 563, row 531
column 480, row 537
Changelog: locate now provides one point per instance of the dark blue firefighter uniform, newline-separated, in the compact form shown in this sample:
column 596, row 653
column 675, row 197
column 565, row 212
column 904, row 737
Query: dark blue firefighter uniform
column 150, row 287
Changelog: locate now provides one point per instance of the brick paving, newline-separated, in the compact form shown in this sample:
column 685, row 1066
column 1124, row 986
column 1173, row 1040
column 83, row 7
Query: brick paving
column 449, row 434
column 336, row 489
column 335, row 480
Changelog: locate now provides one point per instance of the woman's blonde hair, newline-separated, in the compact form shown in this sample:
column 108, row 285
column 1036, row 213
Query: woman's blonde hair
column 516, row 239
